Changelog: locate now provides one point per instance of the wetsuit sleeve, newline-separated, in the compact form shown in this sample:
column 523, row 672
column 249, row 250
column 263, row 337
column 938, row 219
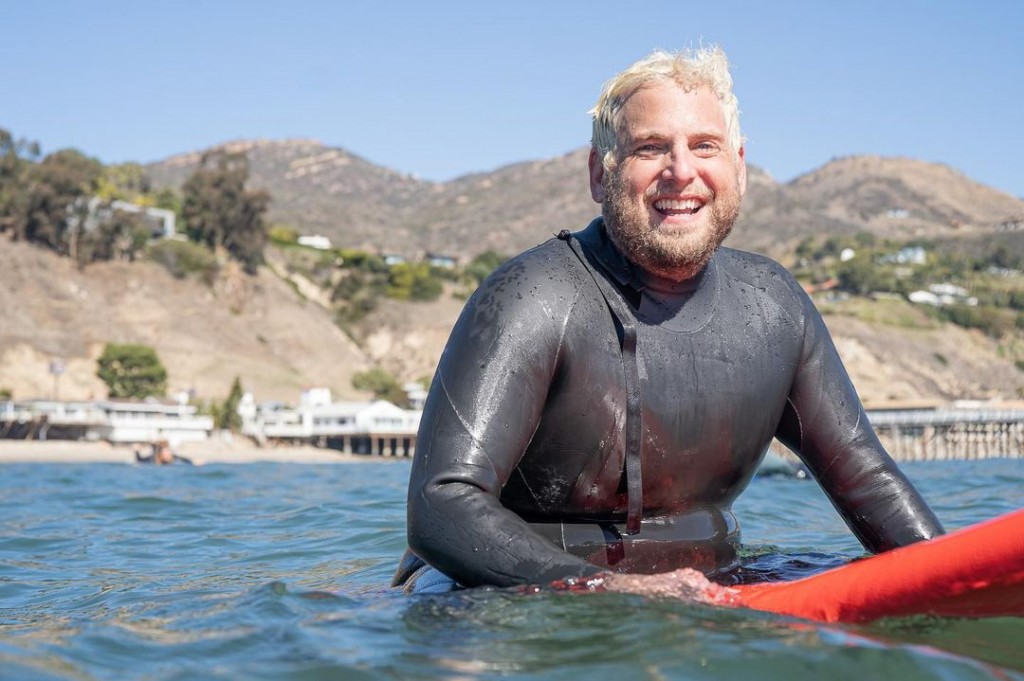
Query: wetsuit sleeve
column 825, row 424
column 482, row 409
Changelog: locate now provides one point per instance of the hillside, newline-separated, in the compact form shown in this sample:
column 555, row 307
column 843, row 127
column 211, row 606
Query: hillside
column 256, row 328
column 320, row 189
column 279, row 340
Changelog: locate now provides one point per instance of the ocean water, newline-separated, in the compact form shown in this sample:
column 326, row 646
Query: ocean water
column 280, row 571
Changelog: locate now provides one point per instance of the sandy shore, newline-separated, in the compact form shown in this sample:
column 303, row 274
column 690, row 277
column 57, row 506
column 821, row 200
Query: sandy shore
column 212, row 451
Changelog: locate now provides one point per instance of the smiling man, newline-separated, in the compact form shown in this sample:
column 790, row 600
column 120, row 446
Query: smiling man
column 606, row 396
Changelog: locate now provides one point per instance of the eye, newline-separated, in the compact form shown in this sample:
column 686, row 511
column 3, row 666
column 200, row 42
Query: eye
column 706, row 148
column 648, row 149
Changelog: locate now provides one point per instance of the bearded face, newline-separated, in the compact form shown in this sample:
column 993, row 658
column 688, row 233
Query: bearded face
column 671, row 253
column 672, row 193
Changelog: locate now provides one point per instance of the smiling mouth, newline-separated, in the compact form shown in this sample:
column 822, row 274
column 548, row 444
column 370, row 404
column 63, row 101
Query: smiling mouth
column 678, row 206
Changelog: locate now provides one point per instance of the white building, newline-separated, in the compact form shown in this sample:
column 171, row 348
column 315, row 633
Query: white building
column 943, row 294
column 356, row 427
column 117, row 421
column 317, row 241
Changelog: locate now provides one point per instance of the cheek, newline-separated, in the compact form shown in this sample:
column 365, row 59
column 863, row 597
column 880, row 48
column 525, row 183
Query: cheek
column 640, row 181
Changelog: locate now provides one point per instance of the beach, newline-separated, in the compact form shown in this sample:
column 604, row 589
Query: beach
column 216, row 450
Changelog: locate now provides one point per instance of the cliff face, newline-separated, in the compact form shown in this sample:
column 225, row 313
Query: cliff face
column 256, row 328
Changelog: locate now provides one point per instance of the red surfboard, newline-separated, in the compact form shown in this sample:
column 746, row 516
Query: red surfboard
column 977, row 571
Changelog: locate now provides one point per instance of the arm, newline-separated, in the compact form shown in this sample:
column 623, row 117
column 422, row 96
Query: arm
column 483, row 407
column 824, row 422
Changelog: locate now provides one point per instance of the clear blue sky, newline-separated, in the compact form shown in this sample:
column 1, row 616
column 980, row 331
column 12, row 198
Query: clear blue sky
column 442, row 89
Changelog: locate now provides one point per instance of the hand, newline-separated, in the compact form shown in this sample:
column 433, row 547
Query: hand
column 685, row 584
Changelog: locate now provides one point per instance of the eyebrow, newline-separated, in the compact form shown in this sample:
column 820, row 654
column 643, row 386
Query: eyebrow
column 704, row 134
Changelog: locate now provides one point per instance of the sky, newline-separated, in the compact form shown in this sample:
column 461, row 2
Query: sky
column 442, row 89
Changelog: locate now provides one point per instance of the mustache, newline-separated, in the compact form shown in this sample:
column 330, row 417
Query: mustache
column 691, row 190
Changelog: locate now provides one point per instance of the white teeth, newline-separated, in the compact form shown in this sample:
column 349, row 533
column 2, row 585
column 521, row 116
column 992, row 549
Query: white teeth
column 674, row 204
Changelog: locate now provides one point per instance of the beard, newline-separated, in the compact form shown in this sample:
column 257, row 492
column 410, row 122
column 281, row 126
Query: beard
column 675, row 256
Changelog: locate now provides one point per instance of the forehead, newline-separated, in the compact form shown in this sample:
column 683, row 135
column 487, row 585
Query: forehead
column 664, row 108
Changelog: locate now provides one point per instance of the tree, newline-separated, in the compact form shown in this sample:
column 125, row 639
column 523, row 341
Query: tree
column 480, row 267
column 121, row 237
column 132, row 370
column 16, row 156
column 45, row 202
column 220, row 213
column 383, row 385
column 228, row 416
column 413, row 281
column 124, row 181
column 58, row 192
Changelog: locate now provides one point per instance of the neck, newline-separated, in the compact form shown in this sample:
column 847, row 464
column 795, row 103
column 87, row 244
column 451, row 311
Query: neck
column 678, row 279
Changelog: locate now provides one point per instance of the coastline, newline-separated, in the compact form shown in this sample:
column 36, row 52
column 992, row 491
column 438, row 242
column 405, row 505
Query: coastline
column 237, row 451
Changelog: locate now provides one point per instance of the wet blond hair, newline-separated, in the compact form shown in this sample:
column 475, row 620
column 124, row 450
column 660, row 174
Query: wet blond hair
column 705, row 67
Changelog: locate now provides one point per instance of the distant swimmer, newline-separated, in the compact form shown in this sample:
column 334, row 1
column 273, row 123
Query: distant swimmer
column 161, row 455
column 605, row 397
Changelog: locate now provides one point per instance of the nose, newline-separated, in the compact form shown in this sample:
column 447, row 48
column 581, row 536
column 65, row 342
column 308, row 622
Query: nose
column 679, row 166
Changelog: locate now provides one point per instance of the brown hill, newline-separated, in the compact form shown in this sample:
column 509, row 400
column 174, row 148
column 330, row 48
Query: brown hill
column 325, row 190
column 256, row 328
column 319, row 189
column 275, row 336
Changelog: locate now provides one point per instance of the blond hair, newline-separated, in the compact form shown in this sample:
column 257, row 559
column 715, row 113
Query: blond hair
column 706, row 67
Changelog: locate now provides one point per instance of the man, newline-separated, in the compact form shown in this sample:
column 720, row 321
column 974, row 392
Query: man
column 605, row 396
column 161, row 454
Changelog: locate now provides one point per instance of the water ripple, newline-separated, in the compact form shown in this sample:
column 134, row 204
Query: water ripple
column 280, row 571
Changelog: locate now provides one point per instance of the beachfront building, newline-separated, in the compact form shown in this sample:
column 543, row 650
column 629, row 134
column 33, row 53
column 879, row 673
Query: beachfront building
column 116, row 421
column 375, row 428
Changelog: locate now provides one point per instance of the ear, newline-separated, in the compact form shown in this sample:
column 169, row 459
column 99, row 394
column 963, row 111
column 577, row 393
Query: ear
column 596, row 164
column 742, row 171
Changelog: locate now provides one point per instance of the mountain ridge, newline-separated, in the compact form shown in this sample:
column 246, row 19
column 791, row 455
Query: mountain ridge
column 331, row 191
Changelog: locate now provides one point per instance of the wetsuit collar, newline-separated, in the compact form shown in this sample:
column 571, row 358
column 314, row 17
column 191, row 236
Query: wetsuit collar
column 599, row 244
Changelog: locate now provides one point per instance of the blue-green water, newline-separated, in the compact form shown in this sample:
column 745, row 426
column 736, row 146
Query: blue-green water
column 268, row 571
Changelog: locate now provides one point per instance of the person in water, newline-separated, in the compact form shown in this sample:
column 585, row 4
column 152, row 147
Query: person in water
column 604, row 397
column 161, row 454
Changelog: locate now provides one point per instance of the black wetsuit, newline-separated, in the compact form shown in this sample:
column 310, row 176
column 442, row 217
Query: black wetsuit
column 520, row 474
column 154, row 459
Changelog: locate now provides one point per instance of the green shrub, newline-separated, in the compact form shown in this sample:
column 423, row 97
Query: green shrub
column 283, row 234
column 986, row 318
column 184, row 258
column 383, row 385
column 413, row 281
column 131, row 370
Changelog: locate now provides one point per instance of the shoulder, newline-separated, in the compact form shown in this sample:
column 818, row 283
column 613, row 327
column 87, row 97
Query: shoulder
column 767, row 279
column 547, row 276
column 757, row 266
column 756, row 270
column 518, row 316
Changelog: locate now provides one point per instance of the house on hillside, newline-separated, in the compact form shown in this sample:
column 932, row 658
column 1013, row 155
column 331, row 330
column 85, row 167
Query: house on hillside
column 161, row 222
column 942, row 294
column 317, row 241
column 378, row 427
column 909, row 255
column 447, row 262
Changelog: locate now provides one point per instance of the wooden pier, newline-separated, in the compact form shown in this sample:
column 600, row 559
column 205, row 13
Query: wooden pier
column 945, row 434
column 951, row 434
